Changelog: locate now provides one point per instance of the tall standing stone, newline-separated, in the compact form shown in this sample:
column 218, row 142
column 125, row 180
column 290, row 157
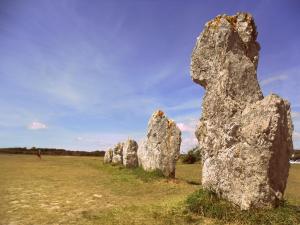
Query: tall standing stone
column 161, row 147
column 245, row 139
column 130, row 158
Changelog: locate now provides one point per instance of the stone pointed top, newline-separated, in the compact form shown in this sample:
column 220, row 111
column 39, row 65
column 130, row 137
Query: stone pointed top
column 161, row 115
column 161, row 147
column 158, row 113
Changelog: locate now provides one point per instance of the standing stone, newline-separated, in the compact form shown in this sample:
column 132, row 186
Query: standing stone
column 118, row 154
column 162, row 146
column 130, row 158
column 108, row 156
column 245, row 139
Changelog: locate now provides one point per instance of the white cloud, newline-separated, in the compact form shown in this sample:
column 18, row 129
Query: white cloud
column 187, row 124
column 35, row 125
column 185, row 127
column 273, row 79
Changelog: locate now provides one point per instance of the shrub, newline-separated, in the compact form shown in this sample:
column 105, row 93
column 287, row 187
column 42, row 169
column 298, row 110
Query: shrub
column 208, row 204
column 295, row 155
column 193, row 155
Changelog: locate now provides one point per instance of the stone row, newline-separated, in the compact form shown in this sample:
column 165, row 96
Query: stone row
column 158, row 151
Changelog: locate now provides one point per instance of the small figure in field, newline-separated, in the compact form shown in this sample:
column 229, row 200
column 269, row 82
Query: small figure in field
column 39, row 154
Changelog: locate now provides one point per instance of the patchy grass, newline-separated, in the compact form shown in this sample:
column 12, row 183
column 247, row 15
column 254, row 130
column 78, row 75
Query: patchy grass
column 82, row 190
column 207, row 204
column 292, row 193
column 141, row 174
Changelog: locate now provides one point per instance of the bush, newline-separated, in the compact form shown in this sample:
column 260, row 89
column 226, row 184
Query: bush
column 208, row 204
column 193, row 155
column 295, row 155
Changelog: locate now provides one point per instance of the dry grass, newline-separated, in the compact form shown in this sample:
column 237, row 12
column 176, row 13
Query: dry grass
column 81, row 190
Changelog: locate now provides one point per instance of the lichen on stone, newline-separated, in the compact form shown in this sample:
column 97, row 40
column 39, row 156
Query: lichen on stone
column 159, row 113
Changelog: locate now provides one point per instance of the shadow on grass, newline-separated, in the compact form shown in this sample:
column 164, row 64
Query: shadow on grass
column 207, row 204
column 139, row 173
column 193, row 182
column 146, row 176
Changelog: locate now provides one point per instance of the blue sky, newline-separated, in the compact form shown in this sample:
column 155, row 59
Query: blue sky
column 86, row 74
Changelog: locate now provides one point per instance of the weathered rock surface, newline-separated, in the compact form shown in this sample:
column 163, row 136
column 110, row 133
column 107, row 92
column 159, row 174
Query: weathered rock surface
column 130, row 158
column 245, row 139
column 118, row 154
column 108, row 156
column 161, row 147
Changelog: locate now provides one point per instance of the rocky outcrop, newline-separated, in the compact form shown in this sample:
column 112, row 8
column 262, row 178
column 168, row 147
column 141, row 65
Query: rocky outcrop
column 108, row 156
column 245, row 139
column 118, row 154
column 161, row 147
column 130, row 158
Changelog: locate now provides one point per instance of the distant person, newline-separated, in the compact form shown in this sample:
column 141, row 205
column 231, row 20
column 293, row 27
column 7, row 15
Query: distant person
column 39, row 154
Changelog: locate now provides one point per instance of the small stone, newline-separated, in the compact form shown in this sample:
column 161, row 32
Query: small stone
column 97, row 196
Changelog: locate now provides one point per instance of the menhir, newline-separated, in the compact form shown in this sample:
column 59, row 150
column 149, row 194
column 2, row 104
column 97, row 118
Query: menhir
column 161, row 148
column 245, row 138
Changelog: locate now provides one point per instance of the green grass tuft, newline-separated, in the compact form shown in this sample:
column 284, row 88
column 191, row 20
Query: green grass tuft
column 208, row 204
column 146, row 176
column 134, row 173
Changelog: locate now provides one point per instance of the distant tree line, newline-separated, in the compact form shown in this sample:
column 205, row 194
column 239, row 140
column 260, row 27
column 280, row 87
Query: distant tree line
column 192, row 156
column 49, row 151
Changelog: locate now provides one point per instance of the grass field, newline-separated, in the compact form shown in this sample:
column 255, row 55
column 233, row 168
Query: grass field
column 81, row 190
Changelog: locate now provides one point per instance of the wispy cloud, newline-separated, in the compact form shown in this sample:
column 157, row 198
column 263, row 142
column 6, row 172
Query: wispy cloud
column 295, row 115
column 103, row 141
column 273, row 79
column 69, row 69
column 35, row 125
column 296, row 136
column 188, row 143
column 191, row 104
